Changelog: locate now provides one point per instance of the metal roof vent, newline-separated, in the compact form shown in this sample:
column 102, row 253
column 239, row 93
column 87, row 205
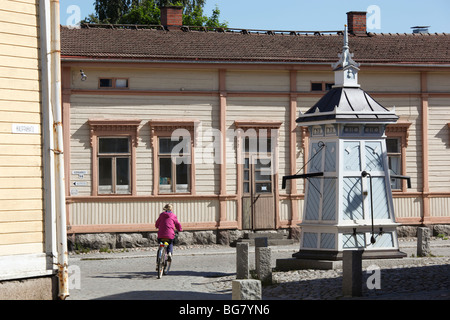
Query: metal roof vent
column 420, row 29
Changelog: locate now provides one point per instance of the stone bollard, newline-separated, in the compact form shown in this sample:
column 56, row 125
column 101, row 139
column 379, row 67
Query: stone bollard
column 263, row 259
column 352, row 273
column 242, row 263
column 423, row 242
column 246, row 290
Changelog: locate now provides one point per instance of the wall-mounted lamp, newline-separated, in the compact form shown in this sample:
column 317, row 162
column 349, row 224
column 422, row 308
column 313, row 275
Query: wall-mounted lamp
column 83, row 75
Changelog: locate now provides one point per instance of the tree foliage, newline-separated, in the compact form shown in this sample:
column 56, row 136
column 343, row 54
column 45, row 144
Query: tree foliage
column 110, row 11
column 188, row 5
column 148, row 12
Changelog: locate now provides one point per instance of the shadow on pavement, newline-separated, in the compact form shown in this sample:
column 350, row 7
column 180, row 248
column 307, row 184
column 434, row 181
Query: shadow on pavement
column 166, row 295
column 148, row 275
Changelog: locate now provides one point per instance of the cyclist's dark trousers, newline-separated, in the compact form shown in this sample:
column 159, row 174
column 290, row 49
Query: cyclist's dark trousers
column 170, row 246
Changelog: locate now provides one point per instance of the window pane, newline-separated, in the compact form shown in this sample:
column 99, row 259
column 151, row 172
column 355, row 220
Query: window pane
column 251, row 145
column 395, row 168
column 316, row 86
column 263, row 164
column 182, row 173
column 105, row 171
column 165, row 171
column 123, row 171
column 113, row 145
column 263, row 187
column 259, row 144
column 247, row 163
column 165, row 175
column 246, row 175
column 166, row 145
column 394, row 165
column 265, row 145
column 392, row 145
column 182, row 178
column 121, row 83
column 105, row 83
column 263, row 175
column 396, row 184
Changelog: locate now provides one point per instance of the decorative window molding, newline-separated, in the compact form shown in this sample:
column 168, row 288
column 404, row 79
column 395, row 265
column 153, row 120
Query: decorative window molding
column 257, row 125
column 106, row 128
column 399, row 129
column 114, row 127
column 166, row 128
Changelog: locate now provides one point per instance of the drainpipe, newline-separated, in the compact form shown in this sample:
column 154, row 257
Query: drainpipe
column 63, row 258
column 47, row 134
column 51, row 40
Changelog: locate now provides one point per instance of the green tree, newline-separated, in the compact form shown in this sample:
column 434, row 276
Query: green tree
column 189, row 5
column 148, row 12
column 197, row 18
column 110, row 11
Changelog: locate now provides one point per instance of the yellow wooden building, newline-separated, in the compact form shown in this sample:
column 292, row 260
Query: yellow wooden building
column 32, row 242
column 228, row 85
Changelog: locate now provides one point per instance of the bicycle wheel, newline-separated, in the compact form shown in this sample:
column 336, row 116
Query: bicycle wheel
column 160, row 261
column 167, row 262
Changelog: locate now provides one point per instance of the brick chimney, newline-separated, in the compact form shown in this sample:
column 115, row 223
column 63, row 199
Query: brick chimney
column 172, row 17
column 356, row 21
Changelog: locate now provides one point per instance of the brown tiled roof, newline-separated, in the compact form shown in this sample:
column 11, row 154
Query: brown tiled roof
column 151, row 44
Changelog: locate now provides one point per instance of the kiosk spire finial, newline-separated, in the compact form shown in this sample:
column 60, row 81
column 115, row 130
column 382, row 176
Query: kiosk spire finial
column 346, row 69
column 345, row 57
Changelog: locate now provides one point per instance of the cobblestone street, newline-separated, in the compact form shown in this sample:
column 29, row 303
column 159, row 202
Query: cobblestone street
column 413, row 278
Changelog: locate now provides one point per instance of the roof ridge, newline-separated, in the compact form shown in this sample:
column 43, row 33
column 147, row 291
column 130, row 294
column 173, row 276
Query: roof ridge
column 373, row 34
column 205, row 29
column 246, row 30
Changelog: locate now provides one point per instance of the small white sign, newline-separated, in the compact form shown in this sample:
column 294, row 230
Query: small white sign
column 80, row 183
column 73, row 192
column 79, row 171
column 25, row 128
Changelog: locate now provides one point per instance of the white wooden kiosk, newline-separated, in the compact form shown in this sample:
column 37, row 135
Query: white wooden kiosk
column 348, row 198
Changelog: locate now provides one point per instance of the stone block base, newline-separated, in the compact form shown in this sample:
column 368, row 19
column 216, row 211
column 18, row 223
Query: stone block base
column 246, row 290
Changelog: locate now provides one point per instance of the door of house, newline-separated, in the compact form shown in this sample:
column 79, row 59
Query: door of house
column 258, row 201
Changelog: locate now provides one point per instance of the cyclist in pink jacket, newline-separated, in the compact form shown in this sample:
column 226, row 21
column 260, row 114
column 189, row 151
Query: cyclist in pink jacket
column 166, row 224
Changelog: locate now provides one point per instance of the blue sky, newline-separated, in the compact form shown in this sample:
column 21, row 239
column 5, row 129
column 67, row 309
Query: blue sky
column 306, row 15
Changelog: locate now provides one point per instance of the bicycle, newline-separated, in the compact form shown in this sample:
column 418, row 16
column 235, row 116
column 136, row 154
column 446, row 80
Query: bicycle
column 162, row 258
